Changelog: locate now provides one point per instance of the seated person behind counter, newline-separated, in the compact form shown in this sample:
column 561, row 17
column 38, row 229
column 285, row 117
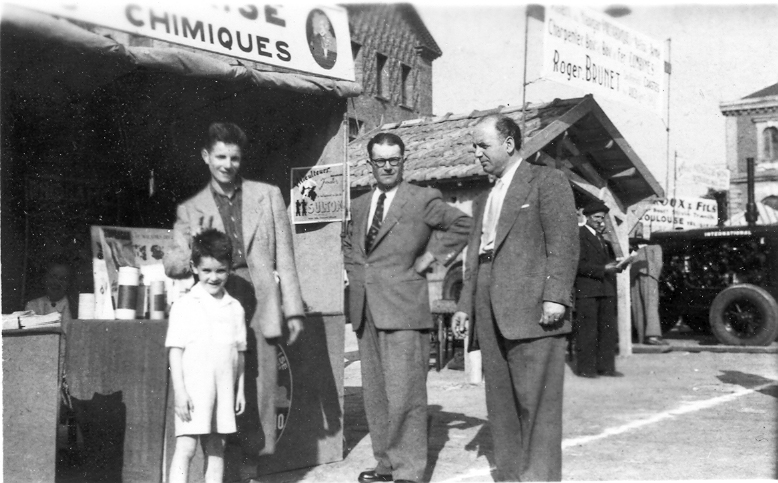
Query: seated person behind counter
column 56, row 282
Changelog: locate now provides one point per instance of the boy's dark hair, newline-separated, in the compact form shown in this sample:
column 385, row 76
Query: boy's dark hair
column 212, row 243
column 388, row 138
column 226, row 132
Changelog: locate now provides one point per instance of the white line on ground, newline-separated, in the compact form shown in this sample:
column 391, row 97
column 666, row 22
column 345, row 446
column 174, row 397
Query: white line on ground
column 685, row 408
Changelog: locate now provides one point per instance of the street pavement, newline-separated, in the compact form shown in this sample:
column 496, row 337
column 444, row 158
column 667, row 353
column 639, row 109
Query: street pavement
column 687, row 413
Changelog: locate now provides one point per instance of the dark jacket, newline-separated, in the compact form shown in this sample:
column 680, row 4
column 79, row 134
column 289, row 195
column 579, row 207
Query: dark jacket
column 591, row 279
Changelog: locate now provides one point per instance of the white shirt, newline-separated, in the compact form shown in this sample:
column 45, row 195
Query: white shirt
column 494, row 207
column 374, row 201
column 592, row 230
column 43, row 306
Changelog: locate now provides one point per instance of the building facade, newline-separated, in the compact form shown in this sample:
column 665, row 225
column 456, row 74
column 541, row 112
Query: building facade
column 393, row 54
column 752, row 132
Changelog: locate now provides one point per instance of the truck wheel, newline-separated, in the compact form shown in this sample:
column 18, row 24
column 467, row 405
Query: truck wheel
column 744, row 315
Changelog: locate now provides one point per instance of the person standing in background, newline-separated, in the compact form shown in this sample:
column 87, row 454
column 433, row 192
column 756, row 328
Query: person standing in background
column 595, row 334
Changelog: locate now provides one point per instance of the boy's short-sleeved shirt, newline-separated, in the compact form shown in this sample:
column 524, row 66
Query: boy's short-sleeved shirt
column 200, row 317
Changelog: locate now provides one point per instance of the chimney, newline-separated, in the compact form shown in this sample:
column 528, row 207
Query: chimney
column 751, row 212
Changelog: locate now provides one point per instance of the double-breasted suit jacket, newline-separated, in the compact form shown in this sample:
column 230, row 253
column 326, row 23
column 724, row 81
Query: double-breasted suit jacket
column 418, row 220
column 591, row 279
column 535, row 253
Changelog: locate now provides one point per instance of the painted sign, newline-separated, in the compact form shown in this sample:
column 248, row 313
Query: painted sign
column 701, row 174
column 318, row 194
column 313, row 39
column 680, row 214
column 587, row 50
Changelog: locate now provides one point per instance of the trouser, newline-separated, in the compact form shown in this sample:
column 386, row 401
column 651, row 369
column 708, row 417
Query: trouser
column 595, row 335
column 394, row 386
column 524, row 382
column 256, row 433
column 645, row 307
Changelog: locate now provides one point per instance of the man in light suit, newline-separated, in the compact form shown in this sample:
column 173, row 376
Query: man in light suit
column 264, row 276
column 518, row 282
column 644, row 277
column 396, row 231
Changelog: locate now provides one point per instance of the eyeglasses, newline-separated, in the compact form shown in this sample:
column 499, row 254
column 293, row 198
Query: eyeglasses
column 382, row 162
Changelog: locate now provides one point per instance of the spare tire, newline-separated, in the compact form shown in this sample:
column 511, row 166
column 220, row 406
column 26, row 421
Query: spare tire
column 744, row 315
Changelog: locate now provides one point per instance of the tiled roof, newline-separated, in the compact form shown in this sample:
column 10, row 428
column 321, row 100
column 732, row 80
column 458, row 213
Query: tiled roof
column 440, row 147
column 767, row 91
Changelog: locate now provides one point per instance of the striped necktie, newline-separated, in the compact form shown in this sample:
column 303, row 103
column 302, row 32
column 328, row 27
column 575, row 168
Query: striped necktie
column 378, row 218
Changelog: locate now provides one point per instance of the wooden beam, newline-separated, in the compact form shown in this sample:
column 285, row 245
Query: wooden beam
column 583, row 165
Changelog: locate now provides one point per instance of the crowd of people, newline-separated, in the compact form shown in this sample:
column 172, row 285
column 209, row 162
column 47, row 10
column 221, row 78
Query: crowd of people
column 534, row 281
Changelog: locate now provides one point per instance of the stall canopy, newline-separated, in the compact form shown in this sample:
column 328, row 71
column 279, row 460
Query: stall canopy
column 60, row 52
column 573, row 135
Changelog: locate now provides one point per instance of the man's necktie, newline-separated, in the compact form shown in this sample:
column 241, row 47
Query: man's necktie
column 378, row 218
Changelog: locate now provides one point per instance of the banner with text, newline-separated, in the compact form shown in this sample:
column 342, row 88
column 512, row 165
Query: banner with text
column 296, row 36
column 318, row 194
column 701, row 174
column 587, row 50
column 680, row 214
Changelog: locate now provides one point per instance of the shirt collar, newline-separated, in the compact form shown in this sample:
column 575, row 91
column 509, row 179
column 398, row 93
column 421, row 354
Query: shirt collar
column 507, row 175
column 199, row 292
column 592, row 230
column 215, row 188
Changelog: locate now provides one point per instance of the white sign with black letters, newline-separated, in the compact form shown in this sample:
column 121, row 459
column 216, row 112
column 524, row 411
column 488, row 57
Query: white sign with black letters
column 587, row 50
column 313, row 39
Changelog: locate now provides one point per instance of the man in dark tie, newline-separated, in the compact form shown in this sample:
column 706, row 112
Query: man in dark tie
column 595, row 333
column 396, row 231
column 518, row 283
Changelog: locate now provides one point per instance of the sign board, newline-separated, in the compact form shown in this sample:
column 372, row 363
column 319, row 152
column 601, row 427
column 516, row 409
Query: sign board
column 313, row 39
column 680, row 213
column 700, row 174
column 588, row 50
column 318, row 194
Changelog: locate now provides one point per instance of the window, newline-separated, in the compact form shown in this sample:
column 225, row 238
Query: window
column 382, row 76
column 769, row 149
column 407, row 86
column 354, row 128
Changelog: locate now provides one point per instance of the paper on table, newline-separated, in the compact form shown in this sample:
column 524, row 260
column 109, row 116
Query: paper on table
column 28, row 319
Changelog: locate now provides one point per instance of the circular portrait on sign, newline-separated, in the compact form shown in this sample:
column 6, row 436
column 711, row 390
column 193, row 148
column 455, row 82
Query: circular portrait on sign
column 321, row 39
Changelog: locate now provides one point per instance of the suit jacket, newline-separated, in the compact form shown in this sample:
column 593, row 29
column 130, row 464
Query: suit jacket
column 535, row 255
column 591, row 280
column 647, row 263
column 267, row 240
column 418, row 220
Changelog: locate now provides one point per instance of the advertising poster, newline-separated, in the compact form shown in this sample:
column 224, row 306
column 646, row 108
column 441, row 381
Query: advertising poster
column 588, row 50
column 143, row 248
column 318, row 194
column 305, row 37
column 680, row 214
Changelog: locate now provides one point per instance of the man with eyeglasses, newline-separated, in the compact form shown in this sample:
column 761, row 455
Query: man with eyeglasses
column 396, row 232
column 519, row 272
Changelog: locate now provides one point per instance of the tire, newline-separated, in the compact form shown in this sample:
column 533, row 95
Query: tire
column 744, row 315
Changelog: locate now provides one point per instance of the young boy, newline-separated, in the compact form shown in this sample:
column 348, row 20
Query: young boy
column 207, row 340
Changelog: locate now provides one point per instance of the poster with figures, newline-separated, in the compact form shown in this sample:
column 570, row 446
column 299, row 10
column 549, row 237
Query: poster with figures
column 114, row 247
column 318, row 194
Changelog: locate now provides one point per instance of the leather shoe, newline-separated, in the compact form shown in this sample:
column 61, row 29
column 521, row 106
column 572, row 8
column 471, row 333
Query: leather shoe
column 610, row 373
column 586, row 374
column 371, row 476
column 655, row 341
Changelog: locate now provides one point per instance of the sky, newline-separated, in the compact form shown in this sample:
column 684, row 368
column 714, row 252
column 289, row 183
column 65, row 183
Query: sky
column 718, row 52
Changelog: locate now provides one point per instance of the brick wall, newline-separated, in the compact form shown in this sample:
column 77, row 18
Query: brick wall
column 383, row 29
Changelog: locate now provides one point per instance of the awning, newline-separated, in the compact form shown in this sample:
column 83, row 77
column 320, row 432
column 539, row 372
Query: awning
column 767, row 216
column 70, row 60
